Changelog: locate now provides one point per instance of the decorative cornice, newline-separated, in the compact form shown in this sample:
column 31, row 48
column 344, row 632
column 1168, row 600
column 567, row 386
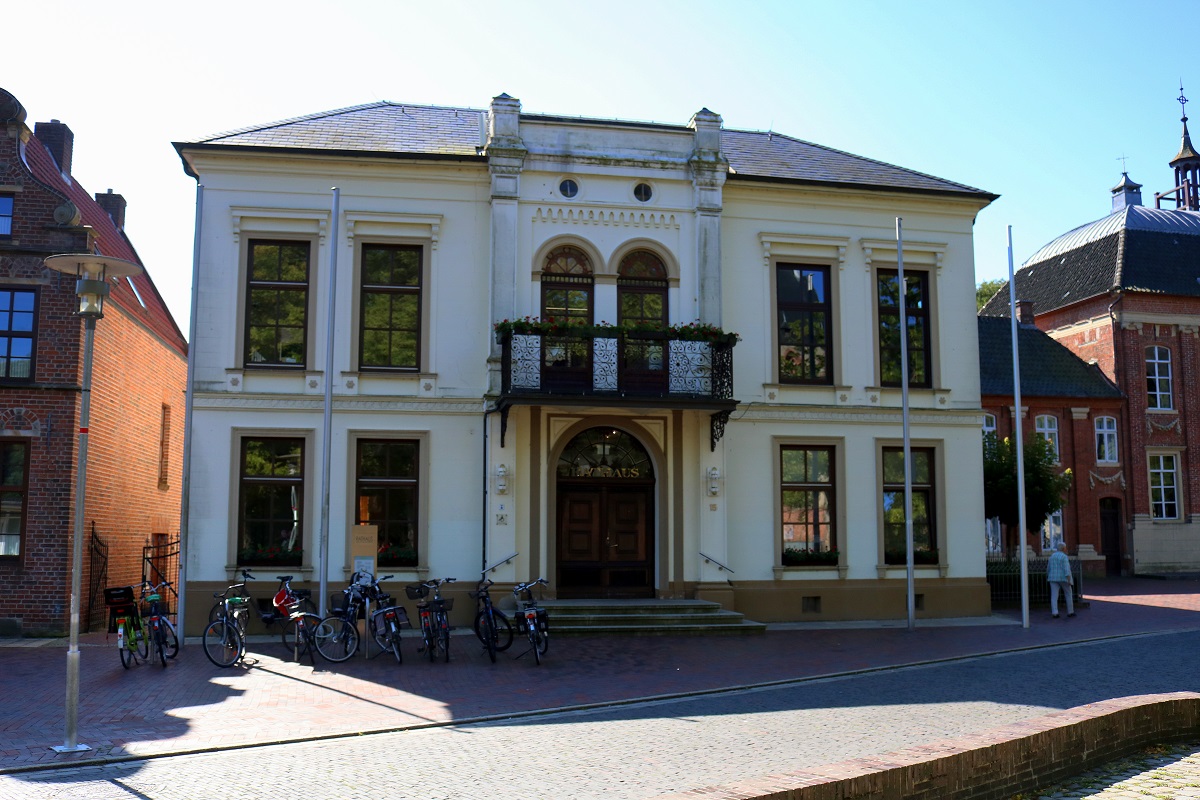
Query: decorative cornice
column 759, row 413
column 926, row 254
column 312, row 220
column 799, row 245
column 340, row 404
column 599, row 216
column 424, row 226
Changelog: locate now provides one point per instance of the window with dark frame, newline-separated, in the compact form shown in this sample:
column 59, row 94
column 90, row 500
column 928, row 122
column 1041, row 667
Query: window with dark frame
column 387, row 485
column 164, row 447
column 567, row 285
column 14, row 493
column 918, row 318
column 895, row 550
column 804, row 318
column 277, row 304
column 1158, row 378
column 18, row 333
column 271, row 502
column 390, row 309
column 6, row 216
column 807, row 494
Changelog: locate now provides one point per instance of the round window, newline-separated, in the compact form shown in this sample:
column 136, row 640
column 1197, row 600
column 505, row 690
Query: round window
column 643, row 192
column 568, row 188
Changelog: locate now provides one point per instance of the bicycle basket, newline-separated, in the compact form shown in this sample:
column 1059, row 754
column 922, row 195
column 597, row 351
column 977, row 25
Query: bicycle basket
column 442, row 604
column 416, row 592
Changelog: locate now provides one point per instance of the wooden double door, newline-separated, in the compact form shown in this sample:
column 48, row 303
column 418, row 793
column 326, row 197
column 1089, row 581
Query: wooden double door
column 605, row 547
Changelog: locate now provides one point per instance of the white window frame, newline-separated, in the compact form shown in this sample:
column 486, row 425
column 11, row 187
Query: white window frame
column 989, row 424
column 1052, row 532
column 1106, row 440
column 1046, row 426
column 1164, row 465
column 1158, row 378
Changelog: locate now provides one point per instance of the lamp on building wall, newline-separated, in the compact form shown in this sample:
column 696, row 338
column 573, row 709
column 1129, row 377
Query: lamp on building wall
column 501, row 479
column 714, row 481
column 92, row 273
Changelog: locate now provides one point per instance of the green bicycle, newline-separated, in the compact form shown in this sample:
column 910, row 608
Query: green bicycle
column 125, row 620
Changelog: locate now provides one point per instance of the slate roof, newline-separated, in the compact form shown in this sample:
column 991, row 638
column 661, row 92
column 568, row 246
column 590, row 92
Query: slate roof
column 110, row 241
column 402, row 130
column 1135, row 249
column 1048, row 369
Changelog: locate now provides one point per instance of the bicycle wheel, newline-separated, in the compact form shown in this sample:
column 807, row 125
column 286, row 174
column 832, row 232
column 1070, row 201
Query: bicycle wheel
column 336, row 639
column 504, row 630
column 159, row 642
column 125, row 647
column 170, row 638
column 294, row 641
column 141, row 638
column 485, row 629
column 443, row 636
column 223, row 643
column 394, row 638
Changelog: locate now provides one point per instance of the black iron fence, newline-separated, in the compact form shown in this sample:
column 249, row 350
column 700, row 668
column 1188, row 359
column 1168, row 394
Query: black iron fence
column 160, row 562
column 97, row 614
column 1004, row 579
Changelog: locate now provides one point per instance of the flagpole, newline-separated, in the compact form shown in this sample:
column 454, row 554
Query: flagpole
column 327, row 426
column 1020, row 440
column 911, row 589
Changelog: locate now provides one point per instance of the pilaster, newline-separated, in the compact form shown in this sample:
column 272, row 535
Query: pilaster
column 709, row 169
column 506, row 157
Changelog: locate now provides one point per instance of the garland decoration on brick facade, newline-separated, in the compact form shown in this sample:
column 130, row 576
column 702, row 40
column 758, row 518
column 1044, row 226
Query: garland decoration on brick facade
column 1151, row 424
column 1093, row 477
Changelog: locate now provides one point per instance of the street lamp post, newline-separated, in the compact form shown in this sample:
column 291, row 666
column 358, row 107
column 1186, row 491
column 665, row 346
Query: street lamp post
column 91, row 287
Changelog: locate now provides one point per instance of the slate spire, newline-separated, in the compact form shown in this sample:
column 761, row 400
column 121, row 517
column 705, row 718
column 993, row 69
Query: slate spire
column 1187, row 167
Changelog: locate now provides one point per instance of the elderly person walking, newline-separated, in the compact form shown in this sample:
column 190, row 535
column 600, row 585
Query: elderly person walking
column 1058, row 573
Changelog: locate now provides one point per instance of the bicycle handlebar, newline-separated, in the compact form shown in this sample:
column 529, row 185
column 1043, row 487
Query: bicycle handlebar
column 528, row 587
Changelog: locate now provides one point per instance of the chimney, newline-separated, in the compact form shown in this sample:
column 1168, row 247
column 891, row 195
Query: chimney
column 1025, row 312
column 60, row 141
column 114, row 204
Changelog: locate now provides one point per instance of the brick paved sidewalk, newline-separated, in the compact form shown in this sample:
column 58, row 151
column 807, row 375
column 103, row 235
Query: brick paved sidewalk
column 192, row 706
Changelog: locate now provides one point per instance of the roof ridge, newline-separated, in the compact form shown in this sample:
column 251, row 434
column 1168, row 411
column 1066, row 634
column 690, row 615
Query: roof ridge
column 330, row 113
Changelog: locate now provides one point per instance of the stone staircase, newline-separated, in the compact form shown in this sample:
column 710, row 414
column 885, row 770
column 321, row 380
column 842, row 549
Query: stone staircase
column 646, row 618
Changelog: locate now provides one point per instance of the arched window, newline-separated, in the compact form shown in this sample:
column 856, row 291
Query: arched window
column 1158, row 378
column 642, row 289
column 1046, row 426
column 1106, row 440
column 567, row 285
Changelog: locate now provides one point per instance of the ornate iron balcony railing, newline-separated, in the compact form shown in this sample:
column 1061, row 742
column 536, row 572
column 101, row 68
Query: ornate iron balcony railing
column 622, row 365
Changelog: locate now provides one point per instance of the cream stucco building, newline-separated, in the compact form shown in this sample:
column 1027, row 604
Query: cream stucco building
column 636, row 449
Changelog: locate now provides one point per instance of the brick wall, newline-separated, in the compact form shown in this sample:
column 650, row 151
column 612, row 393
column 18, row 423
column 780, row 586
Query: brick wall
column 135, row 374
column 991, row 766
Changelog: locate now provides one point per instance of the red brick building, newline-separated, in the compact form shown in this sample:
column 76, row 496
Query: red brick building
column 1124, row 292
column 1081, row 413
column 139, row 376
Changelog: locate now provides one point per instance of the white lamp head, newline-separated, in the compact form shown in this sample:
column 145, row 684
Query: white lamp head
column 93, row 272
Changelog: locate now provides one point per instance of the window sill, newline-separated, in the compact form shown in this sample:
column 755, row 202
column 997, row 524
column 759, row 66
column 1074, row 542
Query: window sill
column 885, row 570
column 817, row 570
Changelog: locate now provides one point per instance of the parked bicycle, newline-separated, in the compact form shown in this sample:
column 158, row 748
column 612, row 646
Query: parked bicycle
column 532, row 620
column 225, row 638
column 386, row 620
column 270, row 611
column 125, row 620
column 160, row 633
column 435, row 624
column 491, row 625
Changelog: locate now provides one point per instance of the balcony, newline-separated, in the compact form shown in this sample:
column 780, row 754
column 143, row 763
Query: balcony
column 688, row 367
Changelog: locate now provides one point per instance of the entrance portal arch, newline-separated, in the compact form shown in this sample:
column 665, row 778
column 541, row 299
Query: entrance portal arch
column 605, row 516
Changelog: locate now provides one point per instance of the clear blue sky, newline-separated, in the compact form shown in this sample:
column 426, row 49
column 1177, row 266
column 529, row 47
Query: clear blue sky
column 1034, row 100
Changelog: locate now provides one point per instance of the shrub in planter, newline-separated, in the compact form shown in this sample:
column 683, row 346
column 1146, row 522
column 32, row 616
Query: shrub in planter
column 920, row 557
column 804, row 557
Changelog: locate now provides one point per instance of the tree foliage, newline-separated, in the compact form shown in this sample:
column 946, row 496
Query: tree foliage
column 1045, row 486
column 985, row 290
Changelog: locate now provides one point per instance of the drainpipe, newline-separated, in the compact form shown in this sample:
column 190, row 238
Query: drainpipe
column 1127, row 510
column 188, row 401
column 487, row 412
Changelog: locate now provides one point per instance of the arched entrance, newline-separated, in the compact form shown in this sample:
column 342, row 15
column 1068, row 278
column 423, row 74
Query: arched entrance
column 605, row 516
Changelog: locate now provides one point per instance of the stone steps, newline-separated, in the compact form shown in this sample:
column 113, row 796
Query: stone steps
column 646, row 618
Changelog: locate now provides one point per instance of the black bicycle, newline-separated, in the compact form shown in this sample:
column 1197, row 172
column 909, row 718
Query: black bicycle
column 271, row 610
column 491, row 625
column 435, row 623
column 386, row 620
column 159, row 629
column 531, row 619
